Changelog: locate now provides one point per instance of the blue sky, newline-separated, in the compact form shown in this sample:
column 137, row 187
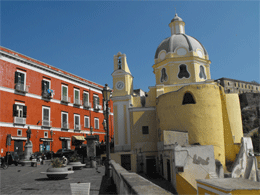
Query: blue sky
column 82, row 37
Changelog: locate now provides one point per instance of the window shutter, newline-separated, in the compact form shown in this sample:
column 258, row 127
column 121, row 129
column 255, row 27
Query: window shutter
column 22, row 78
column 46, row 114
column 97, row 100
column 16, row 77
column 24, row 111
column 94, row 100
column 15, row 112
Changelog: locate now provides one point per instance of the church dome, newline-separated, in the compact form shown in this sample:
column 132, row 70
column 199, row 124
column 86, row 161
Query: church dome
column 179, row 39
column 175, row 41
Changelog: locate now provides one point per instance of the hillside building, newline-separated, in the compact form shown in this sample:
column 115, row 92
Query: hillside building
column 60, row 108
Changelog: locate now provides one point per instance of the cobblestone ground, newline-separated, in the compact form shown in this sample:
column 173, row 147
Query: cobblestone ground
column 29, row 180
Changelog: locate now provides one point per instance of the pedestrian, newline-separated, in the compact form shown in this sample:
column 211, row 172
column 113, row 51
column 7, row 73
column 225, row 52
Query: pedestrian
column 64, row 161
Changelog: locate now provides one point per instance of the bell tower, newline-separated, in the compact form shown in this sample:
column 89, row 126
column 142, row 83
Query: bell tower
column 122, row 77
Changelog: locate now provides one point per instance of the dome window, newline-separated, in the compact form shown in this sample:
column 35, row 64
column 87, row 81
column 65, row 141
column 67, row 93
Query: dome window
column 188, row 99
column 202, row 72
column 183, row 72
column 164, row 76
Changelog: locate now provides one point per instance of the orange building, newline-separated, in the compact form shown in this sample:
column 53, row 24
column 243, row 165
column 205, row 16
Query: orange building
column 59, row 107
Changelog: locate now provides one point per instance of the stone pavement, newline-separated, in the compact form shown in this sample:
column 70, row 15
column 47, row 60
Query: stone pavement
column 28, row 180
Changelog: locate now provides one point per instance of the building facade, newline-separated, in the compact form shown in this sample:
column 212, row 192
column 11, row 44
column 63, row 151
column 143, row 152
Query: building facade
column 59, row 108
column 186, row 127
column 238, row 86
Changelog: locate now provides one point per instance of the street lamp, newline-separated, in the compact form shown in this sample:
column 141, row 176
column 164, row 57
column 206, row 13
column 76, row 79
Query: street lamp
column 106, row 97
column 51, row 144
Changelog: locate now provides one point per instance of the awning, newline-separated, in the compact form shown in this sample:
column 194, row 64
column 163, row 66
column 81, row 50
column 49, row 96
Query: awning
column 79, row 138
column 46, row 140
column 19, row 138
column 65, row 138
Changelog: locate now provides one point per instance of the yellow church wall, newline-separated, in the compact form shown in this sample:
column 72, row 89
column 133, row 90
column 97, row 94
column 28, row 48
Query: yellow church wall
column 148, row 142
column 127, row 90
column 202, row 120
column 151, row 98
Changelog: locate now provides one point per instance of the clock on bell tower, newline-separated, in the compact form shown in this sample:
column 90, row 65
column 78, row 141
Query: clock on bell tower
column 122, row 77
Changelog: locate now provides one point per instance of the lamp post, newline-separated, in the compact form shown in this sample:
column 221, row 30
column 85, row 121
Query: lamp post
column 51, row 144
column 106, row 97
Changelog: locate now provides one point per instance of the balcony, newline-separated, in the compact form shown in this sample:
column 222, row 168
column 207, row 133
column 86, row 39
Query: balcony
column 87, row 105
column 46, row 123
column 21, row 87
column 97, row 107
column 77, row 127
column 48, row 94
column 19, row 120
column 65, row 99
column 77, row 102
column 65, row 125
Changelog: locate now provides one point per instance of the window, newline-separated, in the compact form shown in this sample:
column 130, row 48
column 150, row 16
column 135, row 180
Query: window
column 145, row 129
column 76, row 122
column 46, row 117
column 64, row 95
column 119, row 62
column 64, row 120
column 96, row 123
column 183, row 72
column 86, row 103
column 86, row 122
column 164, row 76
column 19, row 132
column 20, row 81
column 47, row 92
column 188, row 99
column 96, row 102
column 76, row 97
column 46, row 134
column 19, row 113
column 202, row 74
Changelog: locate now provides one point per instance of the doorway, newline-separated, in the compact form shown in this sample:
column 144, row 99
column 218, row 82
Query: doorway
column 151, row 167
column 18, row 147
column 126, row 161
column 168, row 170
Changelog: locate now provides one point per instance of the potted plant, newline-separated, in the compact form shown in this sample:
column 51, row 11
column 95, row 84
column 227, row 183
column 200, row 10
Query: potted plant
column 74, row 161
column 57, row 171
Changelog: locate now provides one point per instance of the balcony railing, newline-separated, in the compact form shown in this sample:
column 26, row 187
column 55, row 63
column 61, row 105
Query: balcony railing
column 65, row 99
column 21, row 87
column 77, row 102
column 46, row 123
column 65, row 125
column 87, row 105
column 97, row 107
column 48, row 95
column 77, row 127
column 19, row 120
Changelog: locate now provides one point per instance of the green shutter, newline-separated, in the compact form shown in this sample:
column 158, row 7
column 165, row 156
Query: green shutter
column 64, row 91
column 76, row 94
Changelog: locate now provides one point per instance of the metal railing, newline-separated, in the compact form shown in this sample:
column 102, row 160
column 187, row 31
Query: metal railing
column 21, row 87
column 97, row 107
column 46, row 123
column 77, row 102
column 87, row 105
column 19, row 120
column 46, row 94
column 77, row 127
column 65, row 98
column 65, row 125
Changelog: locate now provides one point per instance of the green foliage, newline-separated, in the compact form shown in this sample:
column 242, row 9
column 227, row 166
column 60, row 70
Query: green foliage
column 56, row 163
column 74, row 158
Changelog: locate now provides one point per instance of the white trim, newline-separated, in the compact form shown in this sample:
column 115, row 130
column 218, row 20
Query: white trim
column 211, row 189
column 47, row 71
column 96, row 119
column 86, row 92
column 19, row 103
column 86, row 117
column 24, row 72
column 67, row 114
column 20, row 131
column 48, row 80
column 140, row 109
column 18, row 138
column 75, row 89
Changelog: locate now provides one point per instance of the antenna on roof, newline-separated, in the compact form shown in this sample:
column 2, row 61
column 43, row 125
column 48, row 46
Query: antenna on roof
column 175, row 10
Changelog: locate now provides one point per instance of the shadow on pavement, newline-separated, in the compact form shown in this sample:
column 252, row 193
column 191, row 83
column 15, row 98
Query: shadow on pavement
column 107, row 186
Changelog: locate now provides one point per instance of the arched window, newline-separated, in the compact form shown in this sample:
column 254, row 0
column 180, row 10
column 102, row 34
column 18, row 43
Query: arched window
column 188, row 99
column 164, row 76
column 183, row 72
column 202, row 72
column 119, row 62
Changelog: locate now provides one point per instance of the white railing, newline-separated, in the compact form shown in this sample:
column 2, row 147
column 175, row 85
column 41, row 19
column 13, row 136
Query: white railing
column 65, row 98
column 77, row 102
column 65, row 125
column 46, row 123
column 19, row 120
column 97, row 107
column 87, row 104
column 21, row 87
column 77, row 127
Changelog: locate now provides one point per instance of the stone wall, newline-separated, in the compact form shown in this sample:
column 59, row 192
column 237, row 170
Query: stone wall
column 131, row 183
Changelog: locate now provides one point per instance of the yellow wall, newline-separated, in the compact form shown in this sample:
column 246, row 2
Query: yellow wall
column 202, row 120
column 183, row 187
